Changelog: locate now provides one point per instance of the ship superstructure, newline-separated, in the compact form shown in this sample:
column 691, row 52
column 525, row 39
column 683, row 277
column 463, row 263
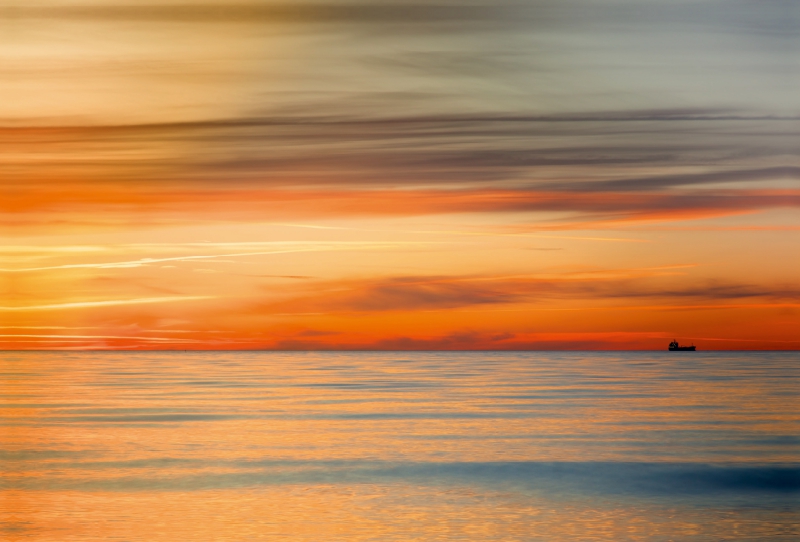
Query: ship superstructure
column 674, row 346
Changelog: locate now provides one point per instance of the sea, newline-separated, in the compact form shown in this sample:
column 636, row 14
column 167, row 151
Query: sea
column 411, row 446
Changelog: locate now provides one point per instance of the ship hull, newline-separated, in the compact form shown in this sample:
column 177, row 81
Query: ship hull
column 683, row 349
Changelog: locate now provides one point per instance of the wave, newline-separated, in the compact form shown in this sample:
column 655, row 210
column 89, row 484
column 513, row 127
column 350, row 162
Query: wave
column 554, row 478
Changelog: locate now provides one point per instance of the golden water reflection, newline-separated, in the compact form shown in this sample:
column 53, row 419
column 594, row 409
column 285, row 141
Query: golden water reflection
column 399, row 446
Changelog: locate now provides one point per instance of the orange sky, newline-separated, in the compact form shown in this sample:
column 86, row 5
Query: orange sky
column 385, row 176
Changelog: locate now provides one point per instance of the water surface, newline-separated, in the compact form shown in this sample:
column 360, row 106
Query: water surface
column 400, row 446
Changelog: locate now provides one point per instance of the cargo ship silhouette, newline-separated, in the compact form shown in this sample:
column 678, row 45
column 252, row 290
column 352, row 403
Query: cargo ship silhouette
column 674, row 346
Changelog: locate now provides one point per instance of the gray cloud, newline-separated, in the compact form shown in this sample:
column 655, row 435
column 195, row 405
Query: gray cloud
column 668, row 181
column 664, row 100
column 268, row 12
column 453, row 149
column 765, row 17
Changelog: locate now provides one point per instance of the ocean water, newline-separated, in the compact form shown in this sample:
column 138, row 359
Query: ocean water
column 512, row 446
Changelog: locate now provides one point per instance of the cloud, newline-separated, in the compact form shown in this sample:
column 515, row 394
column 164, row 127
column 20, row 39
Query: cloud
column 635, row 165
column 583, row 208
column 444, row 293
column 297, row 248
column 412, row 293
column 401, row 293
column 102, row 303
column 314, row 147
column 270, row 12
column 769, row 19
column 609, row 165
column 661, row 182
column 82, row 338
column 478, row 340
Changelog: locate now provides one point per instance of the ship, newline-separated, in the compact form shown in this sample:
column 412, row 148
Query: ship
column 674, row 346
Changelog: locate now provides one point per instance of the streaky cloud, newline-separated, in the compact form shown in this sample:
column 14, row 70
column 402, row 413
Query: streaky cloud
column 102, row 303
column 421, row 293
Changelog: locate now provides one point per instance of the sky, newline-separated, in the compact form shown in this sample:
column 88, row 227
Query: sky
column 527, row 174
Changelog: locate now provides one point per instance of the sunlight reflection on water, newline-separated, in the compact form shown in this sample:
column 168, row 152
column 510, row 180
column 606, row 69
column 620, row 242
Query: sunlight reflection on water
column 399, row 446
